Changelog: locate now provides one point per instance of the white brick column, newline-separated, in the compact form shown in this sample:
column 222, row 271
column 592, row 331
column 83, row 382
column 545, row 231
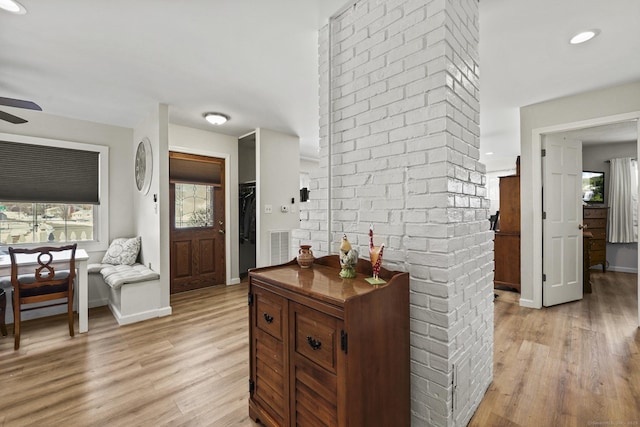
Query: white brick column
column 399, row 108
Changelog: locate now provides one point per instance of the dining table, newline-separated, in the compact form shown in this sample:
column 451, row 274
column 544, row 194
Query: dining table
column 27, row 262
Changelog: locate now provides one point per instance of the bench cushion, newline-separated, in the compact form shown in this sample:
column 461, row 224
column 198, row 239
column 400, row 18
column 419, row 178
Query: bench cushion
column 117, row 275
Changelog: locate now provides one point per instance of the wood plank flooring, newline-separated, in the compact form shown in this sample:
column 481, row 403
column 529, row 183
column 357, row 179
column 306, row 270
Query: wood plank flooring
column 577, row 364
column 188, row 369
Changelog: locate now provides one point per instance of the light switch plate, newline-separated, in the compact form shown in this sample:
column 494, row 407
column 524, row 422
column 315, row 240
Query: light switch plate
column 268, row 209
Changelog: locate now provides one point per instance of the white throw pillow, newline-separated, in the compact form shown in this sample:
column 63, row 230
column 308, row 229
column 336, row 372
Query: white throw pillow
column 122, row 251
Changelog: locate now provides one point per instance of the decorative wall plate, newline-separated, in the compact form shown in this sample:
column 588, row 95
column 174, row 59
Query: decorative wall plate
column 143, row 166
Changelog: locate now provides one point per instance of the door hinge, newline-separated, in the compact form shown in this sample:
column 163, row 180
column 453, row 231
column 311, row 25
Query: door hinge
column 544, row 277
column 544, row 152
column 544, row 215
column 344, row 341
column 250, row 298
column 252, row 386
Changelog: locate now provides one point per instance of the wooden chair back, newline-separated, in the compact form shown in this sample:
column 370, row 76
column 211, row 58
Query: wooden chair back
column 48, row 282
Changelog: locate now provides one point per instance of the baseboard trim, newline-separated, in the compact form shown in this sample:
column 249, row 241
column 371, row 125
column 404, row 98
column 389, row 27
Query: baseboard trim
column 621, row 269
column 528, row 303
column 138, row 317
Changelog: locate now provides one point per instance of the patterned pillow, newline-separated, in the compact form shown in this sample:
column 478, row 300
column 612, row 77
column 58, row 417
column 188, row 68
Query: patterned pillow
column 122, row 251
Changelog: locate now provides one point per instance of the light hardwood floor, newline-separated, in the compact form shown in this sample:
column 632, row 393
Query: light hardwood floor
column 577, row 364
column 188, row 369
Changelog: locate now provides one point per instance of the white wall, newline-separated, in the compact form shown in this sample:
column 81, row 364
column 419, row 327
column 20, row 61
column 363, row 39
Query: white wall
column 620, row 256
column 196, row 141
column 560, row 114
column 151, row 219
column 308, row 165
column 278, row 180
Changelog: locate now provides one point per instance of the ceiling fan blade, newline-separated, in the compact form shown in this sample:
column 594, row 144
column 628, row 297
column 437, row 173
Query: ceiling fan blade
column 11, row 118
column 19, row 103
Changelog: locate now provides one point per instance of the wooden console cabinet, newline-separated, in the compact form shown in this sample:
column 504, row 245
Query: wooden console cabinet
column 595, row 221
column 327, row 351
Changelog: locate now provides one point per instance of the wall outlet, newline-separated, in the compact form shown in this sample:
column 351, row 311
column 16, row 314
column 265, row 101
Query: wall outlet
column 268, row 209
column 284, row 208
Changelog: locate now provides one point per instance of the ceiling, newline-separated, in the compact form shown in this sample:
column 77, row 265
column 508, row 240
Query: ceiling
column 525, row 58
column 112, row 62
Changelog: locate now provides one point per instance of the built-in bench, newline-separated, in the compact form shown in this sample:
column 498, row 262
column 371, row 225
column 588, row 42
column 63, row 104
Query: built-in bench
column 134, row 291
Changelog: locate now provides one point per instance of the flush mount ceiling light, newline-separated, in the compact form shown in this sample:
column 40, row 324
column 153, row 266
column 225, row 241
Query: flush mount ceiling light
column 13, row 7
column 584, row 36
column 216, row 118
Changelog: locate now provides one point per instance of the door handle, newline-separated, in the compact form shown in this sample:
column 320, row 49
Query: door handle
column 582, row 226
column 221, row 231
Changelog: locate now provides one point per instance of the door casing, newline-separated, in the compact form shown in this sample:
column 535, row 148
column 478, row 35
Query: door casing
column 535, row 188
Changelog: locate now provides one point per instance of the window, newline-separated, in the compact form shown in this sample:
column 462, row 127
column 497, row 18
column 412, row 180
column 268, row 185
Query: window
column 53, row 192
column 194, row 205
column 45, row 223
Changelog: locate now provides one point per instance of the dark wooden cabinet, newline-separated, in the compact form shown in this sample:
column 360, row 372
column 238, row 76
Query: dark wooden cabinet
column 327, row 351
column 506, row 244
column 595, row 221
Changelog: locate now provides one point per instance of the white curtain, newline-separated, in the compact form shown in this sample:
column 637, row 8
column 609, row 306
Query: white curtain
column 623, row 201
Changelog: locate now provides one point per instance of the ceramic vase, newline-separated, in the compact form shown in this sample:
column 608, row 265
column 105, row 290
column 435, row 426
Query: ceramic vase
column 305, row 256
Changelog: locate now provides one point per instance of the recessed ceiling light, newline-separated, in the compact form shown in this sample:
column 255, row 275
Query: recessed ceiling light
column 216, row 118
column 584, row 36
column 13, row 7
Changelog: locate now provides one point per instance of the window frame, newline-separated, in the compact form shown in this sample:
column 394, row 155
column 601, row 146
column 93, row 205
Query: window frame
column 101, row 212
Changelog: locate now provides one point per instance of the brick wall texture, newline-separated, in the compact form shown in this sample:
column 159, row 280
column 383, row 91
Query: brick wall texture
column 399, row 149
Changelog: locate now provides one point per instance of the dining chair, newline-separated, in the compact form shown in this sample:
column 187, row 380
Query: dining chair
column 47, row 283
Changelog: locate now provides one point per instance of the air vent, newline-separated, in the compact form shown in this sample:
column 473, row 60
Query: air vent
column 279, row 243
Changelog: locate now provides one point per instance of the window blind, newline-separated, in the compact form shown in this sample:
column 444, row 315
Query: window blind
column 194, row 171
column 46, row 174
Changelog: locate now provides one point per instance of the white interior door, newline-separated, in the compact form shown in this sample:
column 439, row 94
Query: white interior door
column 562, row 220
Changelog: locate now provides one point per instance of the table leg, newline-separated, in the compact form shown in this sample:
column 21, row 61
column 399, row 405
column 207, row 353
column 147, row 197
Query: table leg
column 83, row 297
column 3, row 309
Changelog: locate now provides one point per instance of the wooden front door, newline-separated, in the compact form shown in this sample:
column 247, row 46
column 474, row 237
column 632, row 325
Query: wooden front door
column 197, row 192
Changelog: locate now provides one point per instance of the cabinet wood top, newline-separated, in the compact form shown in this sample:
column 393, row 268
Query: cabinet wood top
column 323, row 281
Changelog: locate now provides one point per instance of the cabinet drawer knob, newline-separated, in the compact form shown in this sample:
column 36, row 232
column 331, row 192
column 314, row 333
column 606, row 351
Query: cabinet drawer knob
column 268, row 318
column 315, row 344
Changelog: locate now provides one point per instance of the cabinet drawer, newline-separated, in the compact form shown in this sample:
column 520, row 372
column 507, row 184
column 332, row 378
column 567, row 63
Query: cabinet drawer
column 269, row 309
column 595, row 223
column 598, row 233
column 598, row 245
column 597, row 257
column 595, row 213
column 315, row 336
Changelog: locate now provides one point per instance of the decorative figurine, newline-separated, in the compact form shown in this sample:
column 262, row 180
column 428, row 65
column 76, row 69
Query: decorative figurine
column 375, row 255
column 348, row 259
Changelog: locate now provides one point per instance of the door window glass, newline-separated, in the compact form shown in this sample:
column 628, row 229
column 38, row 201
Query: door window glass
column 193, row 205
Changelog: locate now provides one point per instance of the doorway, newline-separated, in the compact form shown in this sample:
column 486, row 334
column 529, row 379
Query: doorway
column 535, row 187
column 247, row 202
column 197, row 221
